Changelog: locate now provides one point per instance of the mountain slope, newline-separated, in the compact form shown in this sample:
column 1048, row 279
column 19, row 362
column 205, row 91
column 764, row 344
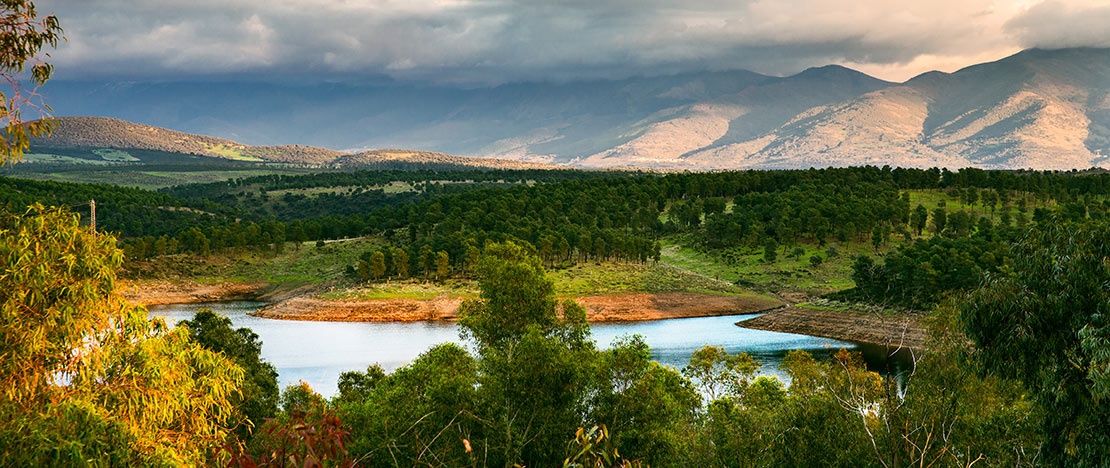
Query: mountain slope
column 95, row 133
column 700, row 135
column 1037, row 109
column 1041, row 109
column 100, row 132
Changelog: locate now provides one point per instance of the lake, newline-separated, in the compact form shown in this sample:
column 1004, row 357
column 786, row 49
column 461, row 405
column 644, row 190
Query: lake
column 317, row 352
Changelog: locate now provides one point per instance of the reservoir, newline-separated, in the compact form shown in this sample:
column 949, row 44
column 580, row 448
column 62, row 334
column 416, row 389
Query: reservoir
column 317, row 352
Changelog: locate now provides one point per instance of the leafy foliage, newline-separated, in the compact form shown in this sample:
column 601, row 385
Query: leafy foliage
column 114, row 386
column 1046, row 324
column 258, row 398
column 23, row 35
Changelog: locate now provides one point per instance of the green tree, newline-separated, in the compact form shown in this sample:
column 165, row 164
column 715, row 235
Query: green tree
column 258, row 399
column 919, row 218
column 877, row 238
column 1047, row 324
column 472, row 254
column 953, row 416
column 377, row 264
column 940, row 220
column 650, row 408
column 364, row 270
column 770, row 250
column 531, row 372
column 443, row 265
column 401, row 262
column 515, row 295
column 427, row 260
column 719, row 372
column 421, row 414
column 77, row 355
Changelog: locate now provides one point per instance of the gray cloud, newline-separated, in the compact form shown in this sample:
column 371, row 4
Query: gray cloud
column 492, row 41
column 1054, row 24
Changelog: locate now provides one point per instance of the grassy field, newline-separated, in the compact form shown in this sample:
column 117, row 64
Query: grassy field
column 150, row 179
column 48, row 158
column 115, row 155
column 787, row 273
column 231, row 152
column 412, row 289
column 326, row 266
column 615, row 278
column 932, row 199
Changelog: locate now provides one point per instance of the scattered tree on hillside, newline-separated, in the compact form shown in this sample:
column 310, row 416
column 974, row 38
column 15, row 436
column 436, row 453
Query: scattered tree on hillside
column 401, row 263
column 377, row 264
column 919, row 218
column 443, row 265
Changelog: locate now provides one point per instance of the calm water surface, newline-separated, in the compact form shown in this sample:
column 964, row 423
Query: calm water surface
column 317, row 352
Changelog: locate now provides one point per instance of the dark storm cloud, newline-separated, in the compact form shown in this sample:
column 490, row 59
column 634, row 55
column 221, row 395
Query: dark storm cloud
column 1055, row 24
column 491, row 41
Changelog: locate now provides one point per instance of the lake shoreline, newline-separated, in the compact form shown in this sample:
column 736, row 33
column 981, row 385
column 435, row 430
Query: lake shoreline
column 882, row 329
column 163, row 292
column 305, row 305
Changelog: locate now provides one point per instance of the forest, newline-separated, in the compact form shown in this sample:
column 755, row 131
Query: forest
column 1010, row 267
column 912, row 254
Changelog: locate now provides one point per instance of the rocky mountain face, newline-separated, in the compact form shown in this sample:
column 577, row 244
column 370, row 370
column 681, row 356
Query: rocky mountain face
column 1040, row 109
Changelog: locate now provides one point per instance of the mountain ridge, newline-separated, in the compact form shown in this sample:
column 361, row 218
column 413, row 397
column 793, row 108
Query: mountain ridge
column 1038, row 109
column 110, row 133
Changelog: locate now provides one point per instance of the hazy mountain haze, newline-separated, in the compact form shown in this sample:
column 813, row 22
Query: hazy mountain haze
column 1043, row 109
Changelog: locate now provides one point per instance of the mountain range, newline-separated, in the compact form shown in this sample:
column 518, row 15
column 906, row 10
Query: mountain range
column 1038, row 109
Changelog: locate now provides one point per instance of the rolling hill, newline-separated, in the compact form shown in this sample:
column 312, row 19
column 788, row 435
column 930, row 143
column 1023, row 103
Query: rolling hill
column 109, row 133
column 1040, row 109
column 93, row 135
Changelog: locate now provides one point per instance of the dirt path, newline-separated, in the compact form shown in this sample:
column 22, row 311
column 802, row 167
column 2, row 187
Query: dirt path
column 886, row 330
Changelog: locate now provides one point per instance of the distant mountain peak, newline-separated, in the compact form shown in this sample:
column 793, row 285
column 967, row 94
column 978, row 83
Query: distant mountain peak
column 1039, row 108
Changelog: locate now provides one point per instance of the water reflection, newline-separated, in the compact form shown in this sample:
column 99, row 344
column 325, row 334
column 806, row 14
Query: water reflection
column 317, row 352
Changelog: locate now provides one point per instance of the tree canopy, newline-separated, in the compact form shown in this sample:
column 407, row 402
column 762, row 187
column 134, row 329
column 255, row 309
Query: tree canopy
column 1047, row 323
column 87, row 375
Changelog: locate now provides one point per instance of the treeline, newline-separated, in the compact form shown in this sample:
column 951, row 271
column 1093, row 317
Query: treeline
column 360, row 192
column 570, row 216
column 377, row 178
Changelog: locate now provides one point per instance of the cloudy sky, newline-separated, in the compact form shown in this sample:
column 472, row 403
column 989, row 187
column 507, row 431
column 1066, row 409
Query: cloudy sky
column 495, row 41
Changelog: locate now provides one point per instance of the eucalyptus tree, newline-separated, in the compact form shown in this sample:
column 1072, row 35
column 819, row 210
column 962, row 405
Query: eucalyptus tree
column 88, row 378
column 1047, row 324
column 23, row 36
